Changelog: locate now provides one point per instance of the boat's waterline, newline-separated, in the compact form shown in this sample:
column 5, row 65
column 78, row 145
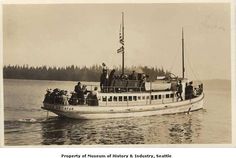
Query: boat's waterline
column 104, row 112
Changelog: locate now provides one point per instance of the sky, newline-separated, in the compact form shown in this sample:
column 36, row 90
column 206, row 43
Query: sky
column 88, row 34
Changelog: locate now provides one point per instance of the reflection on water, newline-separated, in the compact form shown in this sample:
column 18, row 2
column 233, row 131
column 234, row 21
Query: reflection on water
column 144, row 130
column 151, row 130
column 68, row 131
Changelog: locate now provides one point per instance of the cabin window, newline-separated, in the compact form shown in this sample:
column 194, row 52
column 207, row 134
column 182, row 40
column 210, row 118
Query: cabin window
column 104, row 98
column 143, row 97
column 167, row 95
column 135, row 98
column 120, row 98
column 110, row 98
column 159, row 96
column 130, row 98
column 115, row 98
column 155, row 97
column 172, row 95
column 139, row 97
column 125, row 98
column 152, row 97
column 147, row 97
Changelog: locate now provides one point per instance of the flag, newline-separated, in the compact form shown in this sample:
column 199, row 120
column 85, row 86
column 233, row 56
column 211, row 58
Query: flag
column 122, row 41
column 121, row 49
column 121, row 37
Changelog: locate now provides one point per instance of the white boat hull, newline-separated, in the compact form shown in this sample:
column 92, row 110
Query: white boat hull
column 104, row 112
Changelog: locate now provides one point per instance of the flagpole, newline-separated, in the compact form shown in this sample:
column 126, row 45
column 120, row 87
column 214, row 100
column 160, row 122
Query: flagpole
column 123, row 52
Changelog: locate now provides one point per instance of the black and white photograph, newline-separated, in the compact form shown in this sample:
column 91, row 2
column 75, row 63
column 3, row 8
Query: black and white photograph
column 117, row 74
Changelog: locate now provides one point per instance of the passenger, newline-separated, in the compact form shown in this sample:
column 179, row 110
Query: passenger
column 64, row 98
column 133, row 76
column 55, row 96
column 80, row 94
column 104, row 80
column 104, row 67
column 111, row 77
column 179, row 91
column 47, row 96
column 191, row 90
column 143, row 81
column 94, row 97
column 60, row 97
column 73, row 99
column 85, row 91
column 186, row 91
column 200, row 89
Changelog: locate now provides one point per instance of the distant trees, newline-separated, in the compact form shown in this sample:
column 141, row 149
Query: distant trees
column 70, row 73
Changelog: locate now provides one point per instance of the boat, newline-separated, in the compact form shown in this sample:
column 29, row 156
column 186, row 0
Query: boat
column 130, row 97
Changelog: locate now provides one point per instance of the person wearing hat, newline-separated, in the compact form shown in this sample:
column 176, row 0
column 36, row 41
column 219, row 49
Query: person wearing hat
column 191, row 90
column 143, row 81
column 79, row 92
column 104, row 80
column 179, row 90
column 132, row 76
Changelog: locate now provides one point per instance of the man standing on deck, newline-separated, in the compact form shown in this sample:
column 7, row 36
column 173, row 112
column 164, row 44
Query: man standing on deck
column 179, row 91
column 79, row 92
column 191, row 90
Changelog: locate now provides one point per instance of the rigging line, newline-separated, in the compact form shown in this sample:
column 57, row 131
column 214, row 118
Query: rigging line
column 173, row 63
column 190, row 66
column 193, row 72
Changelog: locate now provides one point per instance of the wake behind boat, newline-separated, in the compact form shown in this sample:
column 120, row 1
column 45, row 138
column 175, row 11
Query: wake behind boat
column 127, row 95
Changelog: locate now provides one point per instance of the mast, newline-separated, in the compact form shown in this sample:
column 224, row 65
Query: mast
column 183, row 69
column 123, row 43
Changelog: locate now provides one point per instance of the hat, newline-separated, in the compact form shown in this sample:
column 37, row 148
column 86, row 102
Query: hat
column 79, row 83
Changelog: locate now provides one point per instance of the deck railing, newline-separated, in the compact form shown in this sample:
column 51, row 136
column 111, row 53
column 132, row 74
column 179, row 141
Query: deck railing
column 148, row 98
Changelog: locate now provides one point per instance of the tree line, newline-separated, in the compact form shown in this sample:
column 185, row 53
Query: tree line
column 71, row 73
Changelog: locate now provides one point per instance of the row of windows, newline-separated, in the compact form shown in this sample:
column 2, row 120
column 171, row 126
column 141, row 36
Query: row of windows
column 135, row 98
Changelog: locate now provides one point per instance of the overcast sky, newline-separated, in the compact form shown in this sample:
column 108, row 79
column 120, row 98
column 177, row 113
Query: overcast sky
column 80, row 34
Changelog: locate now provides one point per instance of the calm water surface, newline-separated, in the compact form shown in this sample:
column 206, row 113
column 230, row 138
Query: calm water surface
column 23, row 99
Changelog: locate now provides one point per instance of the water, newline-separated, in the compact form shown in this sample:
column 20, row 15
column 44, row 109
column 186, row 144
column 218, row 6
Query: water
column 26, row 124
